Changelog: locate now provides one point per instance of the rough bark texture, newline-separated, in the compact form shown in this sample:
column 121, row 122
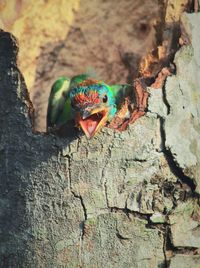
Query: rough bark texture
column 125, row 199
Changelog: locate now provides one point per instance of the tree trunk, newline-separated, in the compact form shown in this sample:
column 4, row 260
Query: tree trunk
column 125, row 199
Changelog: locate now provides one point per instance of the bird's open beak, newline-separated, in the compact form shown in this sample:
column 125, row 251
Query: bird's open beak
column 92, row 121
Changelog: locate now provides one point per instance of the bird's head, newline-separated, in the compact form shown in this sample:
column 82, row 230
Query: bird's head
column 94, row 105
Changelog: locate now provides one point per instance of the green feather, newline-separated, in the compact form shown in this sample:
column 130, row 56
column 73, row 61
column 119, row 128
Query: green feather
column 120, row 92
column 78, row 79
column 59, row 110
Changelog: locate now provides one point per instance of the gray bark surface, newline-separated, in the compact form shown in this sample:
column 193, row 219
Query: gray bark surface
column 125, row 199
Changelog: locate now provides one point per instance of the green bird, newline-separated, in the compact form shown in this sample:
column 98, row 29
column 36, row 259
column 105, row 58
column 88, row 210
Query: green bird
column 90, row 102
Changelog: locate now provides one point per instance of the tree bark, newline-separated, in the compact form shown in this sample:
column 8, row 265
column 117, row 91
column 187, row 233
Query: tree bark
column 125, row 199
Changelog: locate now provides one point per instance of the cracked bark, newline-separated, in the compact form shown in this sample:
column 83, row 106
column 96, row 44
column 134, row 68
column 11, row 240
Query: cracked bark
column 75, row 202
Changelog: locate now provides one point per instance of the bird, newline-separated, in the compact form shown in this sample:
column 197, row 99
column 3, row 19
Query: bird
column 91, row 103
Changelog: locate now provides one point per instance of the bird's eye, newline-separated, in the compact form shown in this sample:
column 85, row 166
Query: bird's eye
column 105, row 98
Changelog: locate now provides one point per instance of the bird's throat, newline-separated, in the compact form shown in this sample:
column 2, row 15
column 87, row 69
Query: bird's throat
column 93, row 123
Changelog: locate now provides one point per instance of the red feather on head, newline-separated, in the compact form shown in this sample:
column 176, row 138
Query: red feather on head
column 92, row 97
